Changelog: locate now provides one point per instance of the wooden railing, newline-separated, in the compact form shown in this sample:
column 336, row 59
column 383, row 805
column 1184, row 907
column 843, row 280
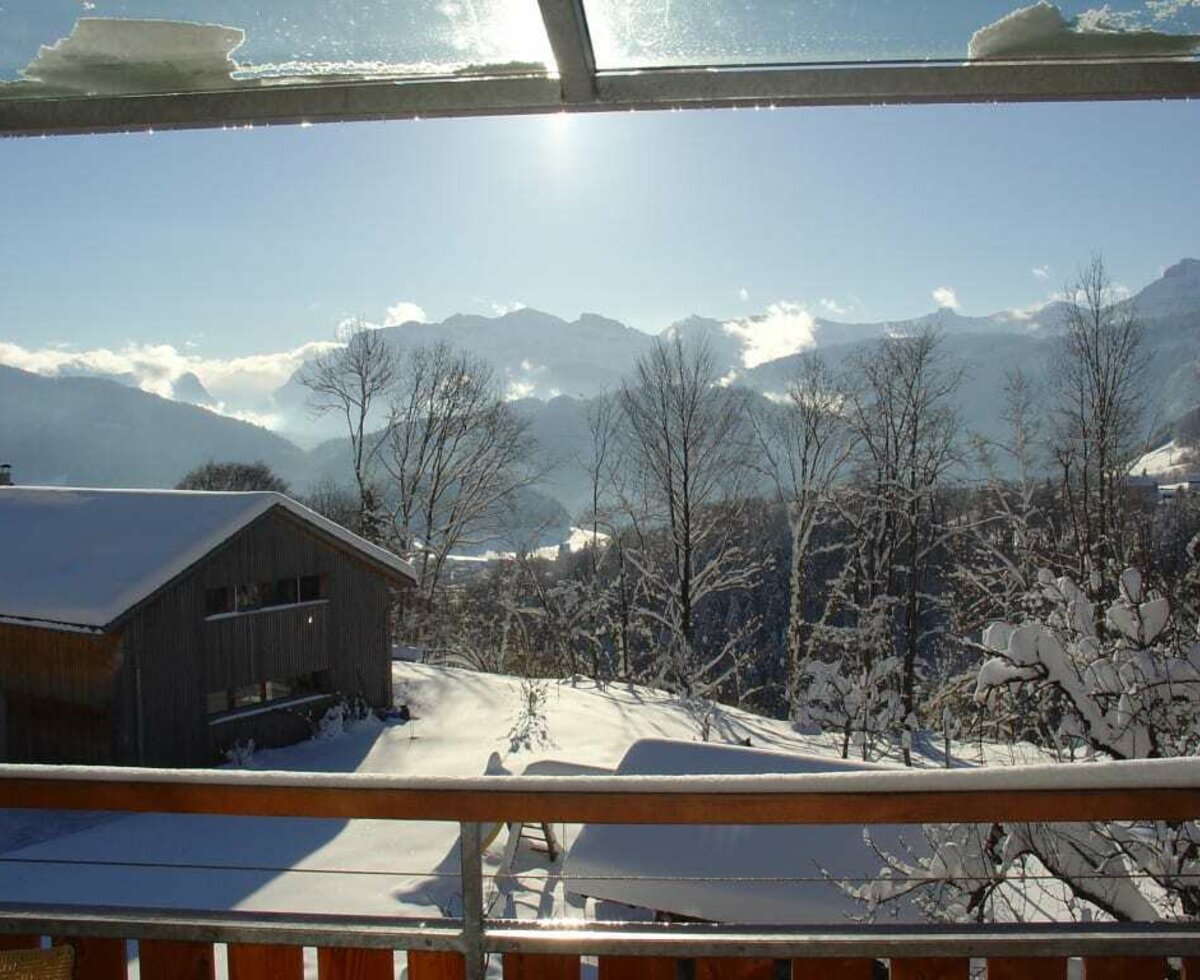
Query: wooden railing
column 259, row 946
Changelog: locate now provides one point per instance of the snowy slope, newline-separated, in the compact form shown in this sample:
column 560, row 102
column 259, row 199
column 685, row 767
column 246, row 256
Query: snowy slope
column 1169, row 460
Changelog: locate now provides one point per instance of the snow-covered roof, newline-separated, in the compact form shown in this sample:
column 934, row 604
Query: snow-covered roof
column 84, row 557
column 707, row 871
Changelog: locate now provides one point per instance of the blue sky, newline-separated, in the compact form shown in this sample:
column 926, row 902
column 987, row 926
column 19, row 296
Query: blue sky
column 243, row 242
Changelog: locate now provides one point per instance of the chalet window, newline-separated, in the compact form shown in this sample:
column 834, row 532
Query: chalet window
column 262, row 595
column 263, row 692
column 248, row 597
column 310, row 588
column 285, row 592
column 218, row 601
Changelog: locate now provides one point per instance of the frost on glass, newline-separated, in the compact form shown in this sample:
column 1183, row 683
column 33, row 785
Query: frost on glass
column 660, row 33
column 58, row 48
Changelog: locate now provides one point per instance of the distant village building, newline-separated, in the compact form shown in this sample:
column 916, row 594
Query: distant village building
column 162, row 628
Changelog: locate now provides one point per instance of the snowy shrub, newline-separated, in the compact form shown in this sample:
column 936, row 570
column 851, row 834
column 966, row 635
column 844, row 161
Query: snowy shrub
column 529, row 729
column 239, row 754
column 1113, row 681
column 1120, row 686
column 857, row 692
column 333, row 723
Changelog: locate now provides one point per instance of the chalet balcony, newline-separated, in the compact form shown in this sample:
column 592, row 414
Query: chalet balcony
column 174, row 943
column 284, row 641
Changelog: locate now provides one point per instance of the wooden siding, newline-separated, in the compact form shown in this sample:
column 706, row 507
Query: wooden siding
column 173, row 653
column 57, row 688
column 276, row 643
column 284, row 725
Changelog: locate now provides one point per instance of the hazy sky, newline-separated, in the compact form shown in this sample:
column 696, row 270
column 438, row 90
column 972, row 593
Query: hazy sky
column 230, row 243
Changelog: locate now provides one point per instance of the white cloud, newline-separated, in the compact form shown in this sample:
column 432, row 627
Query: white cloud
column 783, row 329
column 403, row 312
column 519, row 389
column 834, row 307
column 503, row 309
column 1163, row 9
column 1041, row 272
column 743, row 294
column 234, row 382
column 946, row 298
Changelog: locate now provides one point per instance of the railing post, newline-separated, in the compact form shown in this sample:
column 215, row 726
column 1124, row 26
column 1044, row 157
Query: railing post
column 471, row 861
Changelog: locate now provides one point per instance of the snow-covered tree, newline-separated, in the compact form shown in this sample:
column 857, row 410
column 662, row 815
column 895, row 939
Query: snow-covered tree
column 1097, row 379
column 803, row 445
column 686, row 444
column 1129, row 691
column 906, row 431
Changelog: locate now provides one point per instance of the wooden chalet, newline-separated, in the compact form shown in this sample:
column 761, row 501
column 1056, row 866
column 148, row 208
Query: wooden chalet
column 161, row 628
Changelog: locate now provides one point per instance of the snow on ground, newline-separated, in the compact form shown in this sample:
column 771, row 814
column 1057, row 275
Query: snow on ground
column 459, row 719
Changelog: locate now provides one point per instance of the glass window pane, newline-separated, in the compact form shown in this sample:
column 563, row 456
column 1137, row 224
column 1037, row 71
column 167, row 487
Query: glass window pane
column 663, row 33
column 184, row 45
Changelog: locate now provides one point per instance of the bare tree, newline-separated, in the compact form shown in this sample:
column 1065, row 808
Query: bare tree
column 686, row 441
column 907, row 431
column 805, row 443
column 1098, row 374
column 455, row 454
column 353, row 382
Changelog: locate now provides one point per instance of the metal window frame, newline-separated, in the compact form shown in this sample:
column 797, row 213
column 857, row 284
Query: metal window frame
column 578, row 86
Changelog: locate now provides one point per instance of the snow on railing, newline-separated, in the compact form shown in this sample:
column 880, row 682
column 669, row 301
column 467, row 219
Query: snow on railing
column 264, row 945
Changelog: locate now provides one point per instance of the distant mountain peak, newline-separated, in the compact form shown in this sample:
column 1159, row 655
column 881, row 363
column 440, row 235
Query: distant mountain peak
column 1184, row 269
column 189, row 388
column 1176, row 293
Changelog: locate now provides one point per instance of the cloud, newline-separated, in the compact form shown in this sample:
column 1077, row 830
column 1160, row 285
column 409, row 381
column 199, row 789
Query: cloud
column 743, row 294
column 1041, row 31
column 403, row 312
column 783, row 329
column 519, row 389
column 155, row 368
column 832, row 306
column 1041, row 272
column 503, row 309
column 1164, row 9
column 946, row 298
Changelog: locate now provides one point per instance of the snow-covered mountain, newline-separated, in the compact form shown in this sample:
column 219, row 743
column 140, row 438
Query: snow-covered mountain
column 97, row 432
column 87, row 430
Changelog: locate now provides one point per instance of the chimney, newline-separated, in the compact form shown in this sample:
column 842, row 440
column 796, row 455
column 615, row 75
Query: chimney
column 5, row 475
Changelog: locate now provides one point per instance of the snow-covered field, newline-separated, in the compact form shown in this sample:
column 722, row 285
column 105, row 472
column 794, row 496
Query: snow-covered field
column 459, row 719
column 1167, row 460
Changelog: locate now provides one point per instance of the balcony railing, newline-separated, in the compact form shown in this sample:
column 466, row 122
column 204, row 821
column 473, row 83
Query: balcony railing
column 269, row 945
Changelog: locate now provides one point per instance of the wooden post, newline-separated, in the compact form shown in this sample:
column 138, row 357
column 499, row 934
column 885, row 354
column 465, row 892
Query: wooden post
column 734, row 968
column 530, row 966
column 1027, row 968
column 162, row 960
column 348, row 963
column 20, row 941
column 637, row 968
column 426, row 965
column 97, row 959
column 931, row 968
column 1124, row 967
column 248, row 961
column 832, row 969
